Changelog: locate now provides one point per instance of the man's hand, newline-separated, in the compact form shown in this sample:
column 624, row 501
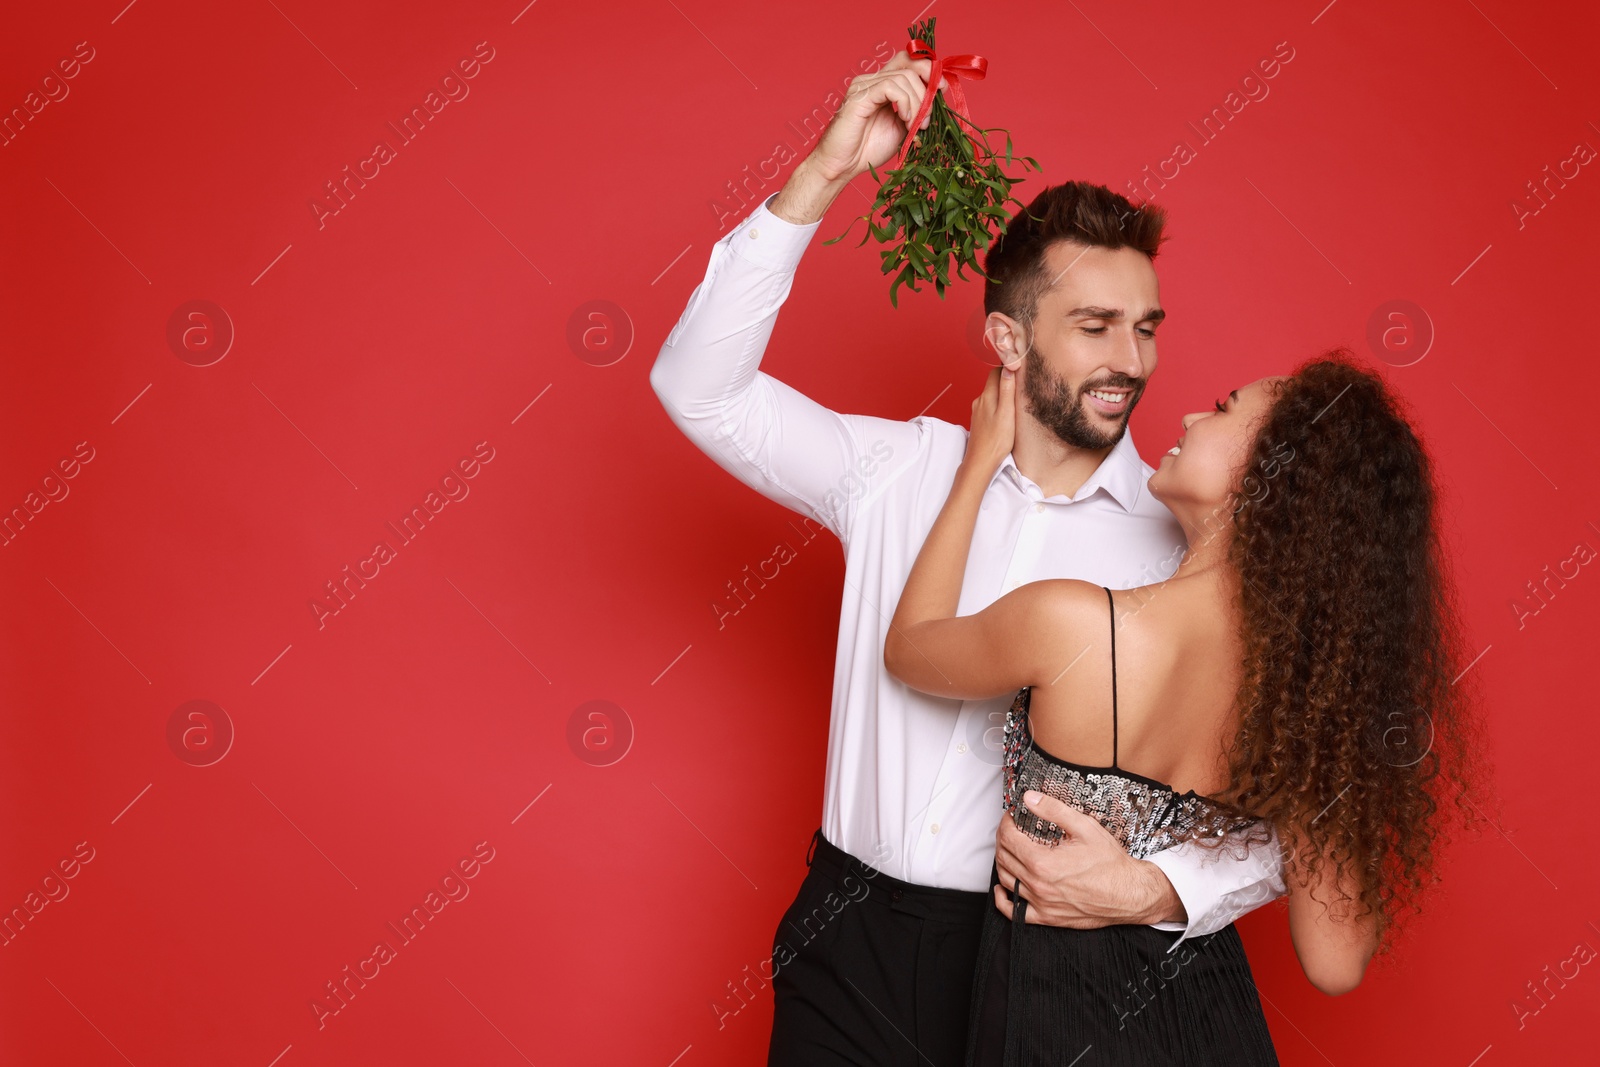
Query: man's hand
column 866, row 131
column 872, row 121
column 1086, row 880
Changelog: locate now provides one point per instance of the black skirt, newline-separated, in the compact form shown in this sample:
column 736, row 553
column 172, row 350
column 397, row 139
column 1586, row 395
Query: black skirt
column 1046, row 995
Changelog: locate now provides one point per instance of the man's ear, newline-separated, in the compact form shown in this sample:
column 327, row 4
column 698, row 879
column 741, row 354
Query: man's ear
column 1008, row 338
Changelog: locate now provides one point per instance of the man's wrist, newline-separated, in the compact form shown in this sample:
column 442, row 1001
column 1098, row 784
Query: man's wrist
column 1162, row 903
column 806, row 196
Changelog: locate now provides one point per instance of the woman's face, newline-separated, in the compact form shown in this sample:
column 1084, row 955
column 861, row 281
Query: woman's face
column 1208, row 461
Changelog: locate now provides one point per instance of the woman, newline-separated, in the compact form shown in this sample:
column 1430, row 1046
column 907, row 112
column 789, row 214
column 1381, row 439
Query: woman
column 1293, row 674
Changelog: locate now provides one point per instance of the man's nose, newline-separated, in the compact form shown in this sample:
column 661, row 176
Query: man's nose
column 1127, row 357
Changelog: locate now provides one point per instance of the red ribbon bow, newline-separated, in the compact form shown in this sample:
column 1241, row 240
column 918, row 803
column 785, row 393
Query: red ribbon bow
column 951, row 69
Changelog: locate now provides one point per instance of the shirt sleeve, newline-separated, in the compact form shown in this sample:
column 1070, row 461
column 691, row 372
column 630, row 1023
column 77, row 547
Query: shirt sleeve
column 1218, row 886
column 770, row 436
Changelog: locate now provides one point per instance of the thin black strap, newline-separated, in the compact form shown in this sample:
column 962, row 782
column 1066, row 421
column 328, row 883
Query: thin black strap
column 1113, row 604
column 1014, row 971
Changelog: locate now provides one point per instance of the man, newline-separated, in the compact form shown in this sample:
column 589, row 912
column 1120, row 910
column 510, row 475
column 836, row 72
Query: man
column 913, row 783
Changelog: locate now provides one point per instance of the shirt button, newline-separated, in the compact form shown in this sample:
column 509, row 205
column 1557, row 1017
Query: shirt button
column 754, row 233
column 933, row 829
column 1039, row 508
column 962, row 747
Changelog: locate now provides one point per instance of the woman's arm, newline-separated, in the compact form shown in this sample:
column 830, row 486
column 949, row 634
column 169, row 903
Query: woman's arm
column 1332, row 941
column 1015, row 641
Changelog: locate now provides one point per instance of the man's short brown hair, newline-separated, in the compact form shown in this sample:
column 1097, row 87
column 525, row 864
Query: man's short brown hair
column 1072, row 211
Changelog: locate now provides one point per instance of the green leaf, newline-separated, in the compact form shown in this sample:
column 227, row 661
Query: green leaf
column 934, row 224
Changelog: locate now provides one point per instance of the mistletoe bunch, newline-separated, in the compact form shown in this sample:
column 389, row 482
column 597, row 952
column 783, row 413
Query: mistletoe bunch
column 947, row 198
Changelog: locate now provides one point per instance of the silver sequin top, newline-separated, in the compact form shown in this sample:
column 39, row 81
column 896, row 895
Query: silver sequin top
column 1145, row 815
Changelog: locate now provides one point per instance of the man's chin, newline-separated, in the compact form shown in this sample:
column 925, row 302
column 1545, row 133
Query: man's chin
column 1109, row 428
column 1107, row 439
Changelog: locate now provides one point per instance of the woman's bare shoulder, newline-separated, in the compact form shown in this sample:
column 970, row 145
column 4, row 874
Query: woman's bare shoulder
column 1064, row 602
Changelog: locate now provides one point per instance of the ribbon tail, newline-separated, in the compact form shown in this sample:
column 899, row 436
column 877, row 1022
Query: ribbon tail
column 956, row 98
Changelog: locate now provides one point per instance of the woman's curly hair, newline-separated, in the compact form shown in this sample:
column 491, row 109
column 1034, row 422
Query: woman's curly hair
column 1356, row 729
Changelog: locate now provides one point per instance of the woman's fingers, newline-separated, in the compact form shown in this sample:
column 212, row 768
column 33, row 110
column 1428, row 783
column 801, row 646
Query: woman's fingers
column 1007, row 404
column 984, row 403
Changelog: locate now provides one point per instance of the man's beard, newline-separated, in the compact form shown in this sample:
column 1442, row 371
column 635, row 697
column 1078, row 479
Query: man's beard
column 1061, row 409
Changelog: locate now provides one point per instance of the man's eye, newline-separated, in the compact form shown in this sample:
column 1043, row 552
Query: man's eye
column 1094, row 329
column 1146, row 332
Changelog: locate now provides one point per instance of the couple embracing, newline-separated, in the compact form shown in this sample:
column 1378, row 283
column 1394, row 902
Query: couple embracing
column 1214, row 683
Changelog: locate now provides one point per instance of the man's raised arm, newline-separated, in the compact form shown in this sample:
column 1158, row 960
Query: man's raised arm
column 707, row 375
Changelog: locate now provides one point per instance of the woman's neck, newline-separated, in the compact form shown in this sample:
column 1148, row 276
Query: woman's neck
column 1209, row 534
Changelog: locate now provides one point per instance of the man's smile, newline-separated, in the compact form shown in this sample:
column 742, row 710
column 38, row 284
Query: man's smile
column 1109, row 401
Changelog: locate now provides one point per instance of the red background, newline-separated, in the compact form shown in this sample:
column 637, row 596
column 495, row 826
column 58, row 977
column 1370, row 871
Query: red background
column 371, row 354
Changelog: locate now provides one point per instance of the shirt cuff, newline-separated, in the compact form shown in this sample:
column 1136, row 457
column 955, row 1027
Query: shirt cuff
column 1188, row 882
column 768, row 241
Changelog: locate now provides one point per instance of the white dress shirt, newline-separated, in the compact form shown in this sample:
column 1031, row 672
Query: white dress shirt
column 914, row 781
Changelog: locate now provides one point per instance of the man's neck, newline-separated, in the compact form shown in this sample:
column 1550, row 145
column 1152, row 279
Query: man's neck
column 1056, row 467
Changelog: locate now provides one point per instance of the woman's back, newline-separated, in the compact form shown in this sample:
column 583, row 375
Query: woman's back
column 1047, row 994
column 1176, row 657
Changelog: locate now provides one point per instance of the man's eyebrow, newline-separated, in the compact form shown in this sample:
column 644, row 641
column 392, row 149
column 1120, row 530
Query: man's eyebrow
column 1152, row 315
column 1234, row 395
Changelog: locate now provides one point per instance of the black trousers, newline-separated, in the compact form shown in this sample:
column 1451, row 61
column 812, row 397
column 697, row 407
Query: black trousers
column 872, row 971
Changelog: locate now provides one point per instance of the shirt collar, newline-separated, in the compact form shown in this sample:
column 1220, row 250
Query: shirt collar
column 1121, row 474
